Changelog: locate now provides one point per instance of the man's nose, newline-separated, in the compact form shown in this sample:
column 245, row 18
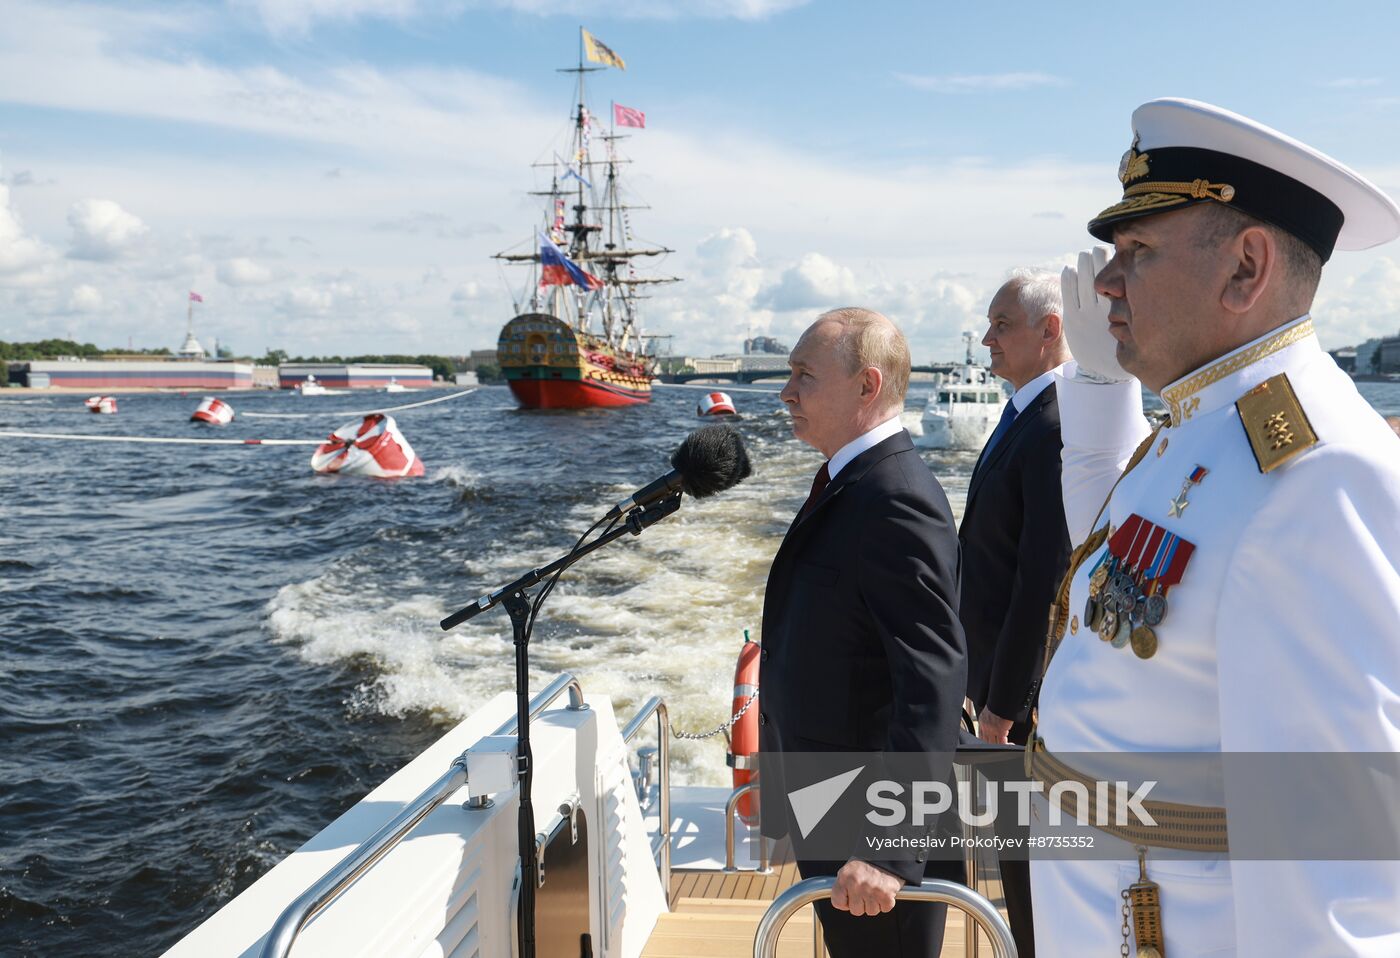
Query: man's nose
column 786, row 393
column 1109, row 281
column 987, row 337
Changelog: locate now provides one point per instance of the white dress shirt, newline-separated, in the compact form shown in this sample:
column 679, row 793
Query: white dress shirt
column 863, row 442
column 1022, row 397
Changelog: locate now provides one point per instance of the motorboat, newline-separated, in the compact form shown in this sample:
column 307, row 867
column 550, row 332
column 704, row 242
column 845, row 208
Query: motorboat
column 964, row 409
column 310, row 387
column 394, row 386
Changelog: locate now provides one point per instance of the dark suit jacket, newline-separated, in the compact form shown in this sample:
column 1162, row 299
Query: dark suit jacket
column 862, row 647
column 1015, row 551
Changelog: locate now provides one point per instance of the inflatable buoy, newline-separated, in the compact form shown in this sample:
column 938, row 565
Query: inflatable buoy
column 715, row 404
column 102, row 404
column 743, row 737
column 216, row 412
column 374, row 448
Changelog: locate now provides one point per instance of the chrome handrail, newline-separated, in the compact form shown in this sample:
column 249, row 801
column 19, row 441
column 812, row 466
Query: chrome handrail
column 295, row 916
column 545, row 698
column 662, row 851
column 730, row 808
column 983, row 912
column 312, row 901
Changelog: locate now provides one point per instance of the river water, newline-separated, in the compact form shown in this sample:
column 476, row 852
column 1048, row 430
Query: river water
column 207, row 653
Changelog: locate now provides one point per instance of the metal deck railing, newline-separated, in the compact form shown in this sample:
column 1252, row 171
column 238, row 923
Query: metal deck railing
column 311, row 902
column 981, row 911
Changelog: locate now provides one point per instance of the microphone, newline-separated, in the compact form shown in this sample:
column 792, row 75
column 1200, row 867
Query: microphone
column 707, row 461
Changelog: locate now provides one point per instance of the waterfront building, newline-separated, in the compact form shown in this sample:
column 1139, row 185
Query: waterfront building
column 149, row 373
column 354, row 375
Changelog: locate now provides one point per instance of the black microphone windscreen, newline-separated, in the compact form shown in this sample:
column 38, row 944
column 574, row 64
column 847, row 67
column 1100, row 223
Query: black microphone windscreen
column 711, row 460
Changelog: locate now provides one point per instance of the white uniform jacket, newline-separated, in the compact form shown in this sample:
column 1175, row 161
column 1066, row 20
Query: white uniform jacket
column 1283, row 635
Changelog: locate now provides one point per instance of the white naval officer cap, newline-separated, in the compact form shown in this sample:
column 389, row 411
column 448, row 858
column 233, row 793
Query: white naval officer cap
column 1186, row 152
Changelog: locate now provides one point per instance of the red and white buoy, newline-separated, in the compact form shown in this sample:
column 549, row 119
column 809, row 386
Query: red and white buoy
column 102, row 404
column 373, row 448
column 715, row 404
column 214, row 411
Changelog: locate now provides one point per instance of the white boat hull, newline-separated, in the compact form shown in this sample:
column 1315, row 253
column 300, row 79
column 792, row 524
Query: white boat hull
column 969, row 431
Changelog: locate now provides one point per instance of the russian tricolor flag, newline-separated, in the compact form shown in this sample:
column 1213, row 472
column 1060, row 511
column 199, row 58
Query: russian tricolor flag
column 556, row 269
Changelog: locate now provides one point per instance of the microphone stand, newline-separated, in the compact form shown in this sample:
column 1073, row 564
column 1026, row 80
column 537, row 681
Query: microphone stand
column 513, row 596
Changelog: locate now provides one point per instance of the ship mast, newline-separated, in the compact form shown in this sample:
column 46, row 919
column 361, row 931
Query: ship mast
column 616, row 300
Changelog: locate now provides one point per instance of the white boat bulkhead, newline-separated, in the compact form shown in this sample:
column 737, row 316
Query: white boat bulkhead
column 451, row 886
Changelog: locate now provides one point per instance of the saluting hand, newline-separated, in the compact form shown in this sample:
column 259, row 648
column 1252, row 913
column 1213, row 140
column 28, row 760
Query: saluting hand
column 1086, row 319
column 863, row 889
column 993, row 729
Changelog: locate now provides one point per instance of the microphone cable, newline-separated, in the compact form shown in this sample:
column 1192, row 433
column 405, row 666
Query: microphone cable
column 549, row 586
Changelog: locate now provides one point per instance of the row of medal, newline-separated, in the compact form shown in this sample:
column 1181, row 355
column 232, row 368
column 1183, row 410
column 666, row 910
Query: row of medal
column 1128, row 585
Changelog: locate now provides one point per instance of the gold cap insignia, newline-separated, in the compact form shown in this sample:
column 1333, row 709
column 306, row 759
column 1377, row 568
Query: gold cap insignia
column 1275, row 423
column 1133, row 166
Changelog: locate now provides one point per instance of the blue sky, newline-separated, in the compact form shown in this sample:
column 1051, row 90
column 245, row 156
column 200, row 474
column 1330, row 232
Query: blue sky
column 333, row 175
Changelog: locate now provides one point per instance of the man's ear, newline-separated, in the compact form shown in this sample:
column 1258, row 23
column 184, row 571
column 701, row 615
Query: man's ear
column 870, row 382
column 1256, row 262
column 1054, row 327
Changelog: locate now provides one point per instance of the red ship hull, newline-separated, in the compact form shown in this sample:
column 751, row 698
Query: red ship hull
column 573, row 394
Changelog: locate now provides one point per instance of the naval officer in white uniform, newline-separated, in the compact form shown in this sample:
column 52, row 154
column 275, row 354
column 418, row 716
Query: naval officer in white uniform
column 1278, row 629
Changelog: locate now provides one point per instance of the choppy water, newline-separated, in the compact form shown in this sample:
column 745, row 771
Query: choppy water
column 208, row 653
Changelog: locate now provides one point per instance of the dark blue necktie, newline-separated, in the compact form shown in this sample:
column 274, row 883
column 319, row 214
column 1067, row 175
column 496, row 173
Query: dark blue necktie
column 1008, row 416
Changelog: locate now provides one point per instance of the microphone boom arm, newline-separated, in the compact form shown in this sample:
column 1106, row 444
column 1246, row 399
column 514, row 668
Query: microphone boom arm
column 636, row 520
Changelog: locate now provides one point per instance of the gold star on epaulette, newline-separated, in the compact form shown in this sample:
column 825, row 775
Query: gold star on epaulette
column 1275, row 423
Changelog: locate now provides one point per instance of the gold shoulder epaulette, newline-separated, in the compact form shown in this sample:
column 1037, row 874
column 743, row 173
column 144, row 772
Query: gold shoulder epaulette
column 1275, row 423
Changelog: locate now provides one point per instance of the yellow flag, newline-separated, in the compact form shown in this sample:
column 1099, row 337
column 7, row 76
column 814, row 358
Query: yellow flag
column 599, row 52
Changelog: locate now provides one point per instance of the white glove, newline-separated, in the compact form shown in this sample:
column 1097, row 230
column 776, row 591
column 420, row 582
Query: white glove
column 1086, row 320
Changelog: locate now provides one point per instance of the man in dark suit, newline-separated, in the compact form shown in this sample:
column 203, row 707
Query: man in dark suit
column 862, row 647
column 1015, row 544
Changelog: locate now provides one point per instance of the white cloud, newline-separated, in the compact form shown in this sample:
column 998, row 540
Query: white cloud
column 241, row 271
column 102, row 230
column 85, row 299
column 24, row 259
column 980, row 82
column 299, row 16
column 811, row 283
column 1363, row 305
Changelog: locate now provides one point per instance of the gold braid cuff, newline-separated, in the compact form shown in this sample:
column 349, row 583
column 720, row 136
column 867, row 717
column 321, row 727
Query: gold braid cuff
column 1192, row 828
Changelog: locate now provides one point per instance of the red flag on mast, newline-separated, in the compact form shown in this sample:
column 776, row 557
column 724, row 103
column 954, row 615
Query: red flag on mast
column 195, row 297
column 626, row 116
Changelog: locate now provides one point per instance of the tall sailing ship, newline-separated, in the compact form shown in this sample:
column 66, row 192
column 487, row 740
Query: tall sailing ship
column 578, row 341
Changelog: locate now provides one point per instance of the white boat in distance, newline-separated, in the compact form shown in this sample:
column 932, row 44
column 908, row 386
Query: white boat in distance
column 394, row 386
column 964, row 410
column 310, row 387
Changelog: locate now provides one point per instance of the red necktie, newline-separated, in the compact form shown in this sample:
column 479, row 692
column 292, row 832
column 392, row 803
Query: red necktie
column 819, row 482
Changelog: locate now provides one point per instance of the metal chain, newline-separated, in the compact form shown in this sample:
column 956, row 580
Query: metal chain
column 723, row 727
column 1126, row 929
